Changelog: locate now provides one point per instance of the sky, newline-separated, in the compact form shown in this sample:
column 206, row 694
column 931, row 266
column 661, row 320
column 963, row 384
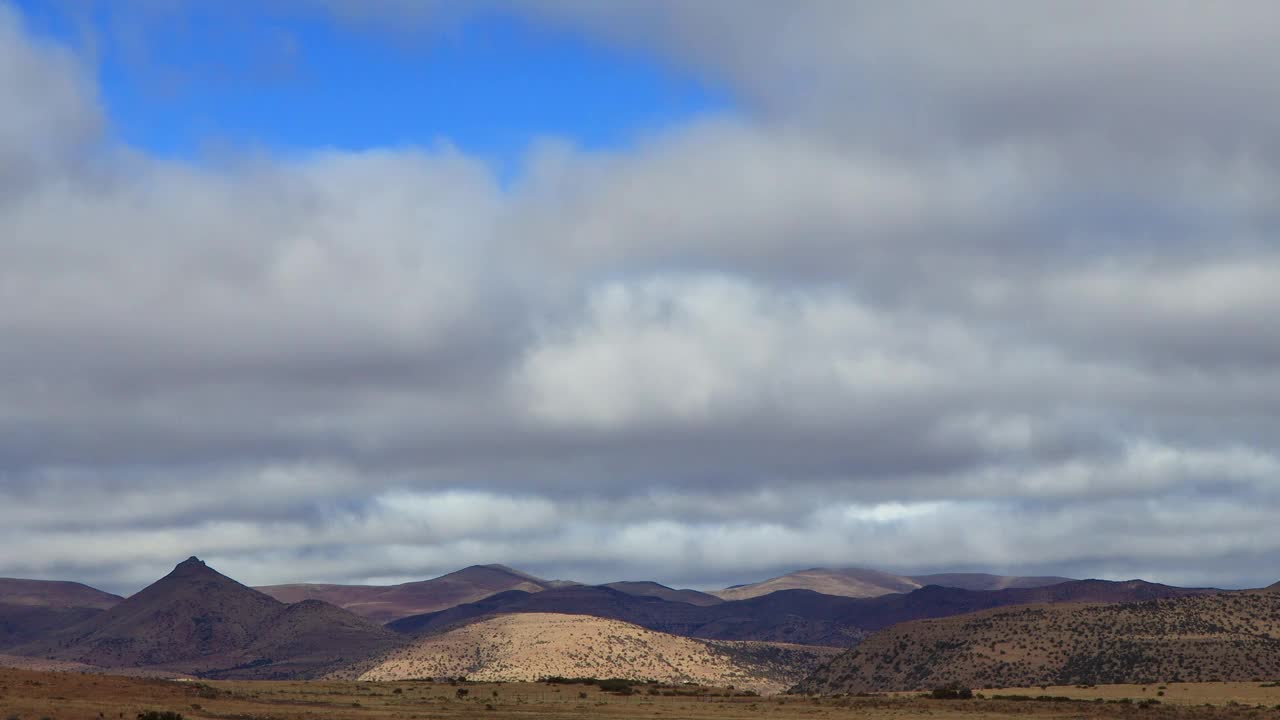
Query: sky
column 368, row 291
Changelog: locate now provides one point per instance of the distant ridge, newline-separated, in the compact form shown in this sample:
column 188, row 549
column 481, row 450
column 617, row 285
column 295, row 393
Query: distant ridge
column 387, row 603
column 985, row 581
column 866, row 583
column 384, row 603
column 844, row 582
column 653, row 589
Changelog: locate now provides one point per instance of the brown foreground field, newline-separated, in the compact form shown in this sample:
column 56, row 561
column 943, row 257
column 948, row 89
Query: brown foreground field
column 1251, row 694
column 30, row 695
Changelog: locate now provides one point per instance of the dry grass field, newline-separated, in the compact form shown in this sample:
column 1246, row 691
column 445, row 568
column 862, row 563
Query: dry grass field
column 29, row 695
column 1249, row 694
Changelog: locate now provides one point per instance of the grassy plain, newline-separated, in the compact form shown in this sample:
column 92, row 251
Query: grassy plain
column 28, row 695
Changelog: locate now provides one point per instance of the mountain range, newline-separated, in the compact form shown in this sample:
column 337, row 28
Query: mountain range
column 390, row 602
column 793, row 616
column 495, row 622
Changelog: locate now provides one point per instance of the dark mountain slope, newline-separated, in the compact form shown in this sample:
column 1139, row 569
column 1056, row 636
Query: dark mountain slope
column 653, row 589
column 984, row 581
column 22, row 624
column 307, row 640
column 33, row 609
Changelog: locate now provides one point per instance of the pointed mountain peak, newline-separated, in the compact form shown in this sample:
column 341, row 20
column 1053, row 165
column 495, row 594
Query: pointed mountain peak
column 192, row 566
column 194, row 570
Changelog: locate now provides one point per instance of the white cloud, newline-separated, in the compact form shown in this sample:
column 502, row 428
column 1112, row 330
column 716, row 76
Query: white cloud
column 1026, row 332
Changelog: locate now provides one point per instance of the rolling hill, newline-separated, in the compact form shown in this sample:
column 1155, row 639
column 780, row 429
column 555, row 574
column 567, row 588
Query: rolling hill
column 530, row 646
column 1224, row 636
column 864, row 583
column 199, row 621
column 390, row 602
column 32, row 609
column 54, row 593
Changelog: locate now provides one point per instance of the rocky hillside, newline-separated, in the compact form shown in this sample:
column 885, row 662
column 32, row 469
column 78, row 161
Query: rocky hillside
column 1226, row 636
column 531, row 646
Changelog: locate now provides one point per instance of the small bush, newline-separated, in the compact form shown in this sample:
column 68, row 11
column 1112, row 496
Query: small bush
column 952, row 691
column 158, row 715
column 617, row 686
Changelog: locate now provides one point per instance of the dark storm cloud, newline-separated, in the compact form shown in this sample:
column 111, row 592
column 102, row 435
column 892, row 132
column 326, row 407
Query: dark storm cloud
column 986, row 290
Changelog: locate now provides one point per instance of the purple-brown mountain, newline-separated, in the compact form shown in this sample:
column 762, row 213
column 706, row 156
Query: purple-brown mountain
column 383, row 603
column 196, row 620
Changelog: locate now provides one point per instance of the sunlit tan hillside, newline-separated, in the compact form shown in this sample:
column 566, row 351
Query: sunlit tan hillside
column 530, row 646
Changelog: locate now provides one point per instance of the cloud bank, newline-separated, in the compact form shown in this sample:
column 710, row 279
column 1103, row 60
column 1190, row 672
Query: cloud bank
column 991, row 289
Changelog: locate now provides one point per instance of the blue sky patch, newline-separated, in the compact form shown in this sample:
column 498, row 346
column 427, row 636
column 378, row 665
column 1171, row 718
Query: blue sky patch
column 181, row 82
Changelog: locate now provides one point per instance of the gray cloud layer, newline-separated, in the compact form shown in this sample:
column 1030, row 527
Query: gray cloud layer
column 984, row 289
